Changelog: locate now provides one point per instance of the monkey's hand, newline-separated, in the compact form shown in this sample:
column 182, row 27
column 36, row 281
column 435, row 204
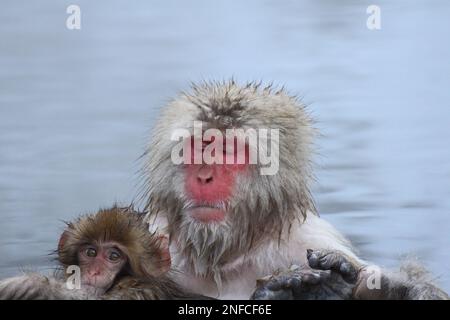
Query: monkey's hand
column 303, row 284
column 330, row 275
column 412, row 281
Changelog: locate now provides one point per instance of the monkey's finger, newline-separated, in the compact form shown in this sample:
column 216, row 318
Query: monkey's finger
column 333, row 260
column 283, row 282
column 315, row 277
column 295, row 280
column 266, row 294
column 271, row 288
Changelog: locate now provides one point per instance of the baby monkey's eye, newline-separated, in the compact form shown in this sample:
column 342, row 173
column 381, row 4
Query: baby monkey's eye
column 114, row 256
column 91, row 252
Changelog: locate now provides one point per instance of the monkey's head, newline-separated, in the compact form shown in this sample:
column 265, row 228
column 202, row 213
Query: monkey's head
column 113, row 242
column 218, row 210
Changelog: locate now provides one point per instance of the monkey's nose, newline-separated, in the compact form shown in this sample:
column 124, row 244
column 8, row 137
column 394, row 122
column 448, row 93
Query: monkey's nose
column 205, row 175
column 94, row 273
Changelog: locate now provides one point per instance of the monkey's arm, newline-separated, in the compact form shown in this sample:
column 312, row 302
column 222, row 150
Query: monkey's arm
column 151, row 288
column 411, row 282
column 34, row 286
column 348, row 279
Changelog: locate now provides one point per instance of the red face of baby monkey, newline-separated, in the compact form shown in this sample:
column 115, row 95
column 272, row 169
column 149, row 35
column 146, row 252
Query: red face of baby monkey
column 100, row 263
column 210, row 183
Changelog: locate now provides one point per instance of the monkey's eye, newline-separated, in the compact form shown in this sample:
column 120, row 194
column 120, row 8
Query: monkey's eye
column 114, row 256
column 91, row 252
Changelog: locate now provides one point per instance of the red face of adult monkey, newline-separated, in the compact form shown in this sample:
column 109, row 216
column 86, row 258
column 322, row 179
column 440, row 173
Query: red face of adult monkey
column 210, row 186
column 230, row 224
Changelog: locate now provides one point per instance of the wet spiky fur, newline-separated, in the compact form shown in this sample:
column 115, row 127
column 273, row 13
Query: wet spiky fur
column 261, row 204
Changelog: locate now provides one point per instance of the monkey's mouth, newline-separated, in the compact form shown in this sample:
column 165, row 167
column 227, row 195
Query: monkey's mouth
column 93, row 286
column 207, row 213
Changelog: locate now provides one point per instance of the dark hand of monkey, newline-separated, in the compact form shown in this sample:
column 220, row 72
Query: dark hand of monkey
column 371, row 282
column 333, row 277
column 334, row 261
column 303, row 284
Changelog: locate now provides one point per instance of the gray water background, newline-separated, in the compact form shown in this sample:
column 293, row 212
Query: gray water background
column 76, row 108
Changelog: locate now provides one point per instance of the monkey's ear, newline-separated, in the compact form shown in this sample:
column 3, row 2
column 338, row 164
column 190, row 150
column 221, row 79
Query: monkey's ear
column 161, row 261
column 149, row 258
column 62, row 240
column 165, row 260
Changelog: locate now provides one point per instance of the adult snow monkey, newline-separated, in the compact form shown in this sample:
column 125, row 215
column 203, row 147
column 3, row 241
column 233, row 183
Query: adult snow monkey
column 233, row 222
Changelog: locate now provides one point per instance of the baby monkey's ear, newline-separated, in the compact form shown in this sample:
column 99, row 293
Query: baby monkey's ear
column 153, row 260
column 62, row 240
column 163, row 260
